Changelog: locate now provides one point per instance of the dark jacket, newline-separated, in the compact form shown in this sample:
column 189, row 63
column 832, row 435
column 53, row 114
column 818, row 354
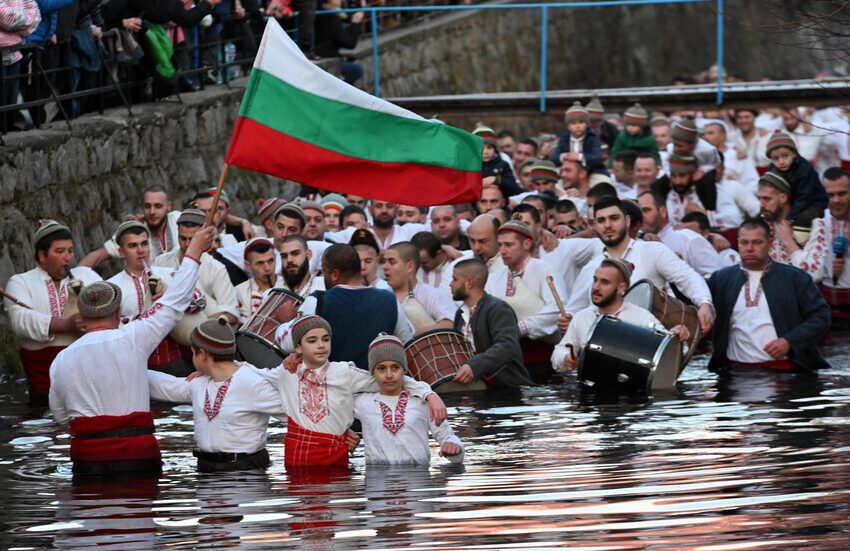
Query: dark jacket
column 591, row 148
column 608, row 134
column 706, row 188
column 496, row 336
column 798, row 310
column 332, row 34
column 806, row 188
column 504, row 175
column 155, row 11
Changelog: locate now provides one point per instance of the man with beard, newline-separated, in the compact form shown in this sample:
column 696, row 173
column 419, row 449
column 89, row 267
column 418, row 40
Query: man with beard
column 687, row 143
column 610, row 281
column 775, row 202
column 260, row 261
column 446, row 225
column 686, row 194
column 383, row 226
column 651, row 260
column 356, row 313
column 42, row 328
column 295, row 259
column 160, row 221
column 769, row 315
column 489, row 325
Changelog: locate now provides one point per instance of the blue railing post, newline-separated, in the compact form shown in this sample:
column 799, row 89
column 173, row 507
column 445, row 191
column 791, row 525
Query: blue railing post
column 719, row 52
column 544, row 21
column 375, row 53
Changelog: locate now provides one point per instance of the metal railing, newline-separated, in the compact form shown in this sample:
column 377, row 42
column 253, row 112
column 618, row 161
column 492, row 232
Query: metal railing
column 544, row 13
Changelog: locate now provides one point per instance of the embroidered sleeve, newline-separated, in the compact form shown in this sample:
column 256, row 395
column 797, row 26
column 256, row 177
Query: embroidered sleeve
column 812, row 257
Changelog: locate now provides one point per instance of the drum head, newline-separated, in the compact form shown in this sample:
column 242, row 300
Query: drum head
column 640, row 294
column 258, row 351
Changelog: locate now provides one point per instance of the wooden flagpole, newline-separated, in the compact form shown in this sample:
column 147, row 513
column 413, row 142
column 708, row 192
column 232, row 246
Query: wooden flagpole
column 217, row 195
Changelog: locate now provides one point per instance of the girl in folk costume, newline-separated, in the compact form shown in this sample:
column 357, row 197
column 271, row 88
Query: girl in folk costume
column 231, row 404
column 319, row 397
column 396, row 424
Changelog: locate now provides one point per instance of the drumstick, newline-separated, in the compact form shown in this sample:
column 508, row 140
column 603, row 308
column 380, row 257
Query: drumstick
column 551, row 281
column 13, row 299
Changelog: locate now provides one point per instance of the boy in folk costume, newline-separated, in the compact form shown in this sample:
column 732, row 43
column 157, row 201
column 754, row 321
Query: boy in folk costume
column 231, row 403
column 260, row 261
column 395, row 424
column 319, row 396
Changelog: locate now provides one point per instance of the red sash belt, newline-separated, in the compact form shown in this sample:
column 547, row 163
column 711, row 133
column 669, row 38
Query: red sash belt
column 781, row 365
column 37, row 365
column 307, row 448
column 91, row 440
column 535, row 352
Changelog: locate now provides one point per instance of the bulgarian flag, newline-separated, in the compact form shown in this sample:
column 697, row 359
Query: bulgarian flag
column 303, row 124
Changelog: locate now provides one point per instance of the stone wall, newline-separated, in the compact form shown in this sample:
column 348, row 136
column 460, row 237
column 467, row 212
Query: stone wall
column 92, row 175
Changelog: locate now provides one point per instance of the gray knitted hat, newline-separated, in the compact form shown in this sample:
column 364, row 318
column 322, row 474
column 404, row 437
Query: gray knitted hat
column 594, row 108
column 334, row 201
column 310, row 204
column 518, row 227
column 777, row 181
column 685, row 130
column 214, row 336
column 386, row 348
column 636, row 115
column 46, row 228
column 305, row 324
column 577, row 113
column 292, row 210
column 128, row 223
column 267, row 208
column 623, row 266
column 99, row 300
column 192, row 216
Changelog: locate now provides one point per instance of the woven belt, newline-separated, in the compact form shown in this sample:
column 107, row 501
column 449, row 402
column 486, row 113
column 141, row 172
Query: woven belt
column 117, row 433
column 222, row 457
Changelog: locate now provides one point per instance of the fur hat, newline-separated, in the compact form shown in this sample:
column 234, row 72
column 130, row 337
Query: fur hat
column 99, row 300
column 214, row 336
column 386, row 348
column 305, row 324
column 364, row 237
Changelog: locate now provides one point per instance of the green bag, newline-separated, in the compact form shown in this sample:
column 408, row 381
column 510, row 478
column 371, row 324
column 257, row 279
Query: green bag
column 162, row 49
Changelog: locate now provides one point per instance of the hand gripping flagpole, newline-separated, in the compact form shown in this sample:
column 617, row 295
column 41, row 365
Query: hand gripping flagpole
column 217, row 195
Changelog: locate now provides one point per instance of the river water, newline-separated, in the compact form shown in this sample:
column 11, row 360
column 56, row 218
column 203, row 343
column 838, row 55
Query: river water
column 750, row 461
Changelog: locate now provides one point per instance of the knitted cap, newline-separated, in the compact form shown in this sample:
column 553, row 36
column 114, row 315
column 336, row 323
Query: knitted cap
column 685, row 130
column 99, row 300
column 214, row 336
column 192, row 216
column 658, row 119
column 776, row 180
column 682, row 164
column 305, row 324
column 364, row 237
column 636, row 115
column 46, row 228
column 128, row 223
column 594, row 108
column 577, row 113
column 211, row 192
column 544, row 170
column 292, row 210
column 518, row 227
column 487, row 133
column 251, row 244
column 334, row 201
column 529, row 161
column 309, row 204
column 267, row 208
column 623, row 266
column 633, row 209
column 780, row 139
column 386, row 348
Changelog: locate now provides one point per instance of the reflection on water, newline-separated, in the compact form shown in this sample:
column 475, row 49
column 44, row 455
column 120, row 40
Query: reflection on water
column 746, row 461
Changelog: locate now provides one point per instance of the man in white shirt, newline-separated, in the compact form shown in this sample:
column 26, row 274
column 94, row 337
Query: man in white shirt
column 687, row 143
column 100, row 383
column 775, row 199
column 411, row 215
column 689, row 245
column 212, row 279
column 750, row 145
column 295, row 260
column 651, row 260
column 260, row 261
column 837, row 222
column 45, row 326
column 689, row 195
column 425, row 306
column 610, row 281
column 646, row 171
column 434, row 265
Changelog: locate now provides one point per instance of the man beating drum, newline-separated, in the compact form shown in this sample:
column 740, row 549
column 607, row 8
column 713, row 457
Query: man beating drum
column 610, row 281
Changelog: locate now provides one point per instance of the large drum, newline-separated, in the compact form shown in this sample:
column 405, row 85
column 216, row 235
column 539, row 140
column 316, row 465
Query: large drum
column 624, row 356
column 669, row 310
column 436, row 356
column 255, row 339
